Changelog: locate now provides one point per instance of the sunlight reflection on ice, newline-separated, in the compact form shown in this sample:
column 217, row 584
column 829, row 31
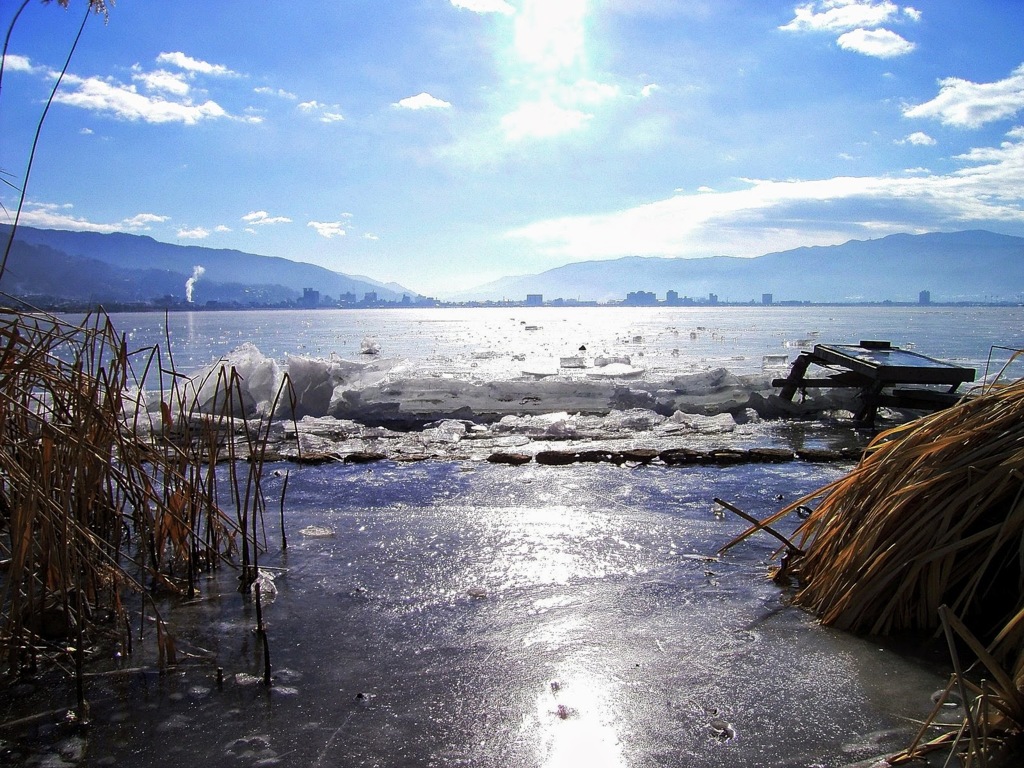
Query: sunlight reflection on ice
column 551, row 545
column 576, row 722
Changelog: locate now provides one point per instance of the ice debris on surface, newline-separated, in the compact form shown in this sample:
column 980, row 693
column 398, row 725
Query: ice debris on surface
column 361, row 411
column 385, row 391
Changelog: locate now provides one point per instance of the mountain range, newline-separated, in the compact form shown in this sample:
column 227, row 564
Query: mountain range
column 67, row 266
column 57, row 267
column 964, row 266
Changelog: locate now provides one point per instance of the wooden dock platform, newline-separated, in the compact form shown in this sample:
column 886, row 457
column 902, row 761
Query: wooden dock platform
column 884, row 374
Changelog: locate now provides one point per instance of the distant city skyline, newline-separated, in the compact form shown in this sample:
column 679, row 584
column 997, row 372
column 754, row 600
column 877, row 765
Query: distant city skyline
column 445, row 143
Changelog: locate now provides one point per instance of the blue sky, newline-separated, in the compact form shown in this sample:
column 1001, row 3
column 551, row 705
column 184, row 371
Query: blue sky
column 445, row 143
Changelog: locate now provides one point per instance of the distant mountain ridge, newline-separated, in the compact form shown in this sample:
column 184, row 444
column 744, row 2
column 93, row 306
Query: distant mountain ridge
column 124, row 267
column 973, row 265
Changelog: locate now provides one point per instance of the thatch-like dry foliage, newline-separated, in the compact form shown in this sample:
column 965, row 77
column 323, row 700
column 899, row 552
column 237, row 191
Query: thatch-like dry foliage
column 928, row 531
column 104, row 500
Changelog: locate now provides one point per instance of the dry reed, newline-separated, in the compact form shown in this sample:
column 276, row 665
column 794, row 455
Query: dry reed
column 927, row 531
column 106, row 502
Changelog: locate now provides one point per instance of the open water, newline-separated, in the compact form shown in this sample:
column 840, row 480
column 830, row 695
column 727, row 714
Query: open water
column 459, row 613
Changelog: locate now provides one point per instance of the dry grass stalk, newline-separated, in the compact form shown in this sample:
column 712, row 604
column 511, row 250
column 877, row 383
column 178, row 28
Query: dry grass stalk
column 99, row 511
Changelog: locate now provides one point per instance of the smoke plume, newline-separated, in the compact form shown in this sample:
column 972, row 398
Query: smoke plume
column 190, row 284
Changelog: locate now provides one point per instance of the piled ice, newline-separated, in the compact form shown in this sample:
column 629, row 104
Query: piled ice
column 386, row 392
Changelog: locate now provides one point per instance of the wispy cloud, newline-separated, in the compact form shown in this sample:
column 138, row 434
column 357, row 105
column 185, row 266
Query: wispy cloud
column 422, row 101
column 840, row 15
column 965, row 104
column 542, row 119
column 280, row 93
column 153, row 96
column 162, row 80
column 180, row 60
column 124, row 101
column 485, row 6
column 328, row 229
column 144, row 220
column 858, row 25
column 769, row 214
column 262, row 218
column 60, row 216
column 322, row 112
column 197, row 233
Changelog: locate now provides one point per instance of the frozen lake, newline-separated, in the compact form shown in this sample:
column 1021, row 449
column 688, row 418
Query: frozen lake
column 452, row 612
column 466, row 614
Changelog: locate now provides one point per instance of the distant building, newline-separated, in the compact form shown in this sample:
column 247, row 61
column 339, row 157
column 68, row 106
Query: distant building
column 672, row 298
column 712, row 298
column 310, row 298
column 640, row 299
column 924, row 297
column 766, row 298
column 534, row 299
column 370, row 297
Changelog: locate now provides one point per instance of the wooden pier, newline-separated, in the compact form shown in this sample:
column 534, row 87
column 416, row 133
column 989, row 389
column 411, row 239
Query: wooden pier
column 884, row 374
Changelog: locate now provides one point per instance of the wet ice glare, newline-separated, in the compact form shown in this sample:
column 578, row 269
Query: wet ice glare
column 539, row 616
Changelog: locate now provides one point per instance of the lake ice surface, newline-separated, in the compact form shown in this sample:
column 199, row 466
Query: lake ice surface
column 462, row 613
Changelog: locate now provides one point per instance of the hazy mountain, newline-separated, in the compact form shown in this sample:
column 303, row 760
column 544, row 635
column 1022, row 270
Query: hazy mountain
column 953, row 266
column 121, row 267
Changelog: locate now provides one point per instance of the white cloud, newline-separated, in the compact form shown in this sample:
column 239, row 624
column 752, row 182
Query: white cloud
column 649, row 90
column 370, row 236
column 752, row 220
column 542, row 119
column 325, row 113
column 221, row 228
column 882, row 43
column 260, row 218
column 143, row 220
column 197, row 233
column 162, row 80
column 15, row 63
column 180, row 60
column 422, row 101
column 59, row 216
column 124, row 101
column 279, row 92
column 918, row 139
column 328, row 229
column 840, row 15
column 858, row 23
column 970, row 105
column 590, row 92
column 485, row 6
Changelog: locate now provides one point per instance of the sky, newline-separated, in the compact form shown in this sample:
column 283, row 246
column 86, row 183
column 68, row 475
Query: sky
column 442, row 144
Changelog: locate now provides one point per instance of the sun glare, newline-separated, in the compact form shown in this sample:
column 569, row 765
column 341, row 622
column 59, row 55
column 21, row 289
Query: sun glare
column 550, row 35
